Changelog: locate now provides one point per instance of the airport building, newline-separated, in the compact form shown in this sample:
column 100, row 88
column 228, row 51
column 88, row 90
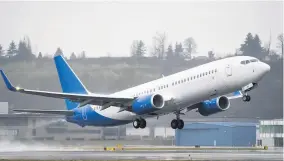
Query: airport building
column 217, row 134
column 271, row 133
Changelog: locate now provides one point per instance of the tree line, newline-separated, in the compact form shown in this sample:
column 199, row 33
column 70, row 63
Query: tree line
column 252, row 46
column 23, row 51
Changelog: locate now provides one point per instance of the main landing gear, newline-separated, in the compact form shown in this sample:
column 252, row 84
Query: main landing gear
column 177, row 123
column 139, row 123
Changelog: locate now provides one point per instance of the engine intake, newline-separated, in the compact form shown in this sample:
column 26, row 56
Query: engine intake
column 214, row 106
column 147, row 103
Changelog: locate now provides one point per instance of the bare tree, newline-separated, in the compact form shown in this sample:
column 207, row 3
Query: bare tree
column 159, row 45
column 268, row 45
column 190, row 46
column 280, row 43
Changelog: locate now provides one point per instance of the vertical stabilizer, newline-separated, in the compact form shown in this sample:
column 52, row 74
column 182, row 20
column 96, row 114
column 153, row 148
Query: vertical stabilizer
column 69, row 81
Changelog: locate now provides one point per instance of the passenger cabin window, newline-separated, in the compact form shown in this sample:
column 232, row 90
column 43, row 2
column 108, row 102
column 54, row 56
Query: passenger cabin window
column 243, row 62
column 247, row 61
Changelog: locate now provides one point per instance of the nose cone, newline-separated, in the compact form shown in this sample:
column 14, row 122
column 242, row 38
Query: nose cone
column 266, row 67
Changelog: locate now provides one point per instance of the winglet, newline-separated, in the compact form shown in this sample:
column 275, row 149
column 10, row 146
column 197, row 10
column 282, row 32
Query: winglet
column 7, row 82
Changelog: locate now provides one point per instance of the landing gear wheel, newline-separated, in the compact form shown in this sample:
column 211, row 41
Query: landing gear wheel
column 246, row 98
column 142, row 123
column 136, row 123
column 180, row 124
column 174, row 124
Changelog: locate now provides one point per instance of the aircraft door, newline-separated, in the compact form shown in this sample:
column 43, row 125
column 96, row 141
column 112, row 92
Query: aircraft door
column 228, row 70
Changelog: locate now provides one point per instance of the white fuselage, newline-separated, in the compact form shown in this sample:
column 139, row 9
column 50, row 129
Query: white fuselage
column 194, row 85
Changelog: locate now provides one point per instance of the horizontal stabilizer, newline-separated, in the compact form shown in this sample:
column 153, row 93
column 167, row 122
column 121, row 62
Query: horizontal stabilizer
column 56, row 112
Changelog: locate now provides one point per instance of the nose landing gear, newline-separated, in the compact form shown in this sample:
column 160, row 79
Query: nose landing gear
column 249, row 87
column 246, row 98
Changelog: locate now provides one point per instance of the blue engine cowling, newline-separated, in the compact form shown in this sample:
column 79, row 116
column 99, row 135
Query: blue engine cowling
column 147, row 103
column 215, row 105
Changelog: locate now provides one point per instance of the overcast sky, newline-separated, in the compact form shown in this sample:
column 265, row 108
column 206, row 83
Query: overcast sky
column 100, row 28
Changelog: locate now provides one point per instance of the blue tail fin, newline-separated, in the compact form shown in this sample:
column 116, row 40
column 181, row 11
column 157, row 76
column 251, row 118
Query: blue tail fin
column 69, row 81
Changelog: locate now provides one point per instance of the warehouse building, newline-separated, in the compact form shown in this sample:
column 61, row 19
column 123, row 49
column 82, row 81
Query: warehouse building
column 271, row 133
column 217, row 134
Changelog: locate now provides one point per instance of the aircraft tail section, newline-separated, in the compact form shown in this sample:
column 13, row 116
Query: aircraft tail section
column 69, row 81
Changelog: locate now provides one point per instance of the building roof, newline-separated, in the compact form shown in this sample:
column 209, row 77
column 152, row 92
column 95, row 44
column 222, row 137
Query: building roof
column 230, row 124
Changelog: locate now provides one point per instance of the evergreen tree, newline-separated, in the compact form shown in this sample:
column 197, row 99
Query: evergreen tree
column 141, row 49
column 178, row 50
column 252, row 47
column 83, row 55
column 25, row 50
column 58, row 52
column 211, row 55
column 258, row 51
column 138, row 48
column 12, row 50
column 1, row 50
column 170, row 52
column 73, row 56
column 39, row 55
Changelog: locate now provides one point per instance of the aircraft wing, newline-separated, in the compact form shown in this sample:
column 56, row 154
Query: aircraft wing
column 82, row 98
column 57, row 112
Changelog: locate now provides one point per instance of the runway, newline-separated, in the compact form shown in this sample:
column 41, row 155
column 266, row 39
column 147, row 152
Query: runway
column 145, row 155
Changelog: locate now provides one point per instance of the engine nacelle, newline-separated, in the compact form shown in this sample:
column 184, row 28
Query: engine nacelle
column 147, row 103
column 214, row 106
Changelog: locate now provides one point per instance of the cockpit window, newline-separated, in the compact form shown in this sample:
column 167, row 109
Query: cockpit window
column 253, row 60
column 248, row 61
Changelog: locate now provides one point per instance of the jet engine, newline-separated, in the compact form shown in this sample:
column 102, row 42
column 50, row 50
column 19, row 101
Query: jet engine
column 147, row 104
column 215, row 105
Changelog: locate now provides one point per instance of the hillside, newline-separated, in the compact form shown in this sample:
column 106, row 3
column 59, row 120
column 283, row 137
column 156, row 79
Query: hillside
column 106, row 75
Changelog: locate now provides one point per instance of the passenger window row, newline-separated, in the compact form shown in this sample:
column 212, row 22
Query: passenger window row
column 177, row 82
column 194, row 77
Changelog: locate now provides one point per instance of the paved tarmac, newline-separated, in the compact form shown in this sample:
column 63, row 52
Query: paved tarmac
column 145, row 155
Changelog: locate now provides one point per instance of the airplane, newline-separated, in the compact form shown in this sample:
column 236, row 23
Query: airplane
column 205, row 88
